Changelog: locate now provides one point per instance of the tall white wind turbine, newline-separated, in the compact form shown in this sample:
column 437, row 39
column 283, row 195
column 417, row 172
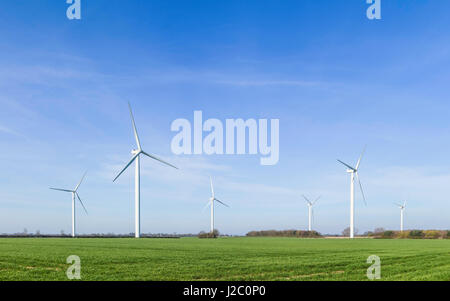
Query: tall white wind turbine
column 74, row 194
column 353, row 171
column 136, row 158
column 310, row 211
column 211, row 204
column 402, row 212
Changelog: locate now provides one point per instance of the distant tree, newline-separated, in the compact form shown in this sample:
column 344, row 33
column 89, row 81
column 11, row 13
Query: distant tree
column 388, row 234
column 213, row 234
column 346, row 232
column 379, row 230
column 285, row 233
column 416, row 234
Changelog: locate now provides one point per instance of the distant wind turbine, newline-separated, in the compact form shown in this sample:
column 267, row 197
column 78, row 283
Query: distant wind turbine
column 310, row 211
column 354, row 172
column 136, row 157
column 211, row 204
column 402, row 212
column 74, row 194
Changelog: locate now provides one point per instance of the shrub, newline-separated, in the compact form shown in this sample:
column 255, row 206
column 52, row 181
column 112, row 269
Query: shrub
column 416, row 234
column 402, row 235
column 285, row 233
column 388, row 234
column 379, row 230
column 213, row 234
column 310, row 234
column 432, row 234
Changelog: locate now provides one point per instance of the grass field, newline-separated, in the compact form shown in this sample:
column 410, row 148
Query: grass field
column 224, row 259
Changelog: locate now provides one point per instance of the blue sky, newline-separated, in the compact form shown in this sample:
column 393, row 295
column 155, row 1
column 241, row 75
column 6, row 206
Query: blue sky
column 336, row 80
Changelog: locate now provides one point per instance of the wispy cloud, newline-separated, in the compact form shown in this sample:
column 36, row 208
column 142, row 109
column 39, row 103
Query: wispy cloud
column 6, row 130
column 260, row 83
column 192, row 171
column 44, row 74
column 428, row 184
column 69, row 69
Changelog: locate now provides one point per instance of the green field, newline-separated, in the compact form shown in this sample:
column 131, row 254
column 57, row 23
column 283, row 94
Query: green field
column 224, row 259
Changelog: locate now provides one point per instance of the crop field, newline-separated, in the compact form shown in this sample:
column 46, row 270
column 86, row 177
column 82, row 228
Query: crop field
column 284, row 259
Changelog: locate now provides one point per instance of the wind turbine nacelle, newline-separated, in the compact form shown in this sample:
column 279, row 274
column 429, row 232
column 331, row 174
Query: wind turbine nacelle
column 134, row 152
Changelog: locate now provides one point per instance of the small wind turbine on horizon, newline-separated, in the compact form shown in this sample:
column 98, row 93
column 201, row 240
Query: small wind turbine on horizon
column 74, row 194
column 211, row 204
column 136, row 158
column 402, row 212
column 353, row 171
column 310, row 211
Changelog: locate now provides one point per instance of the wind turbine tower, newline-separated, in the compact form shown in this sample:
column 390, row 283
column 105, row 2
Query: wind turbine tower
column 211, row 202
column 74, row 195
column 353, row 171
column 136, row 153
column 402, row 212
column 310, row 211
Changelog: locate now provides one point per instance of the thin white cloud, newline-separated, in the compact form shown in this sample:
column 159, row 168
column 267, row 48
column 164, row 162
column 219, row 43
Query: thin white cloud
column 425, row 183
column 44, row 74
column 260, row 83
column 48, row 74
column 6, row 130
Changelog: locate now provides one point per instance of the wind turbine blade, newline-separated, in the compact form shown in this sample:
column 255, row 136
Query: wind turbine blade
column 206, row 206
column 65, row 190
column 222, row 203
column 306, row 199
column 81, row 181
column 348, row 166
column 362, row 191
column 212, row 187
column 316, row 200
column 136, row 136
column 359, row 161
column 81, row 202
column 158, row 159
column 129, row 163
column 404, row 204
column 397, row 204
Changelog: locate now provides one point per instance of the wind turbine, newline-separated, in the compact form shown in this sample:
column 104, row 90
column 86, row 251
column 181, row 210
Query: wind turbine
column 310, row 211
column 211, row 204
column 353, row 171
column 402, row 212
column 136, row 158
column 74, row 194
